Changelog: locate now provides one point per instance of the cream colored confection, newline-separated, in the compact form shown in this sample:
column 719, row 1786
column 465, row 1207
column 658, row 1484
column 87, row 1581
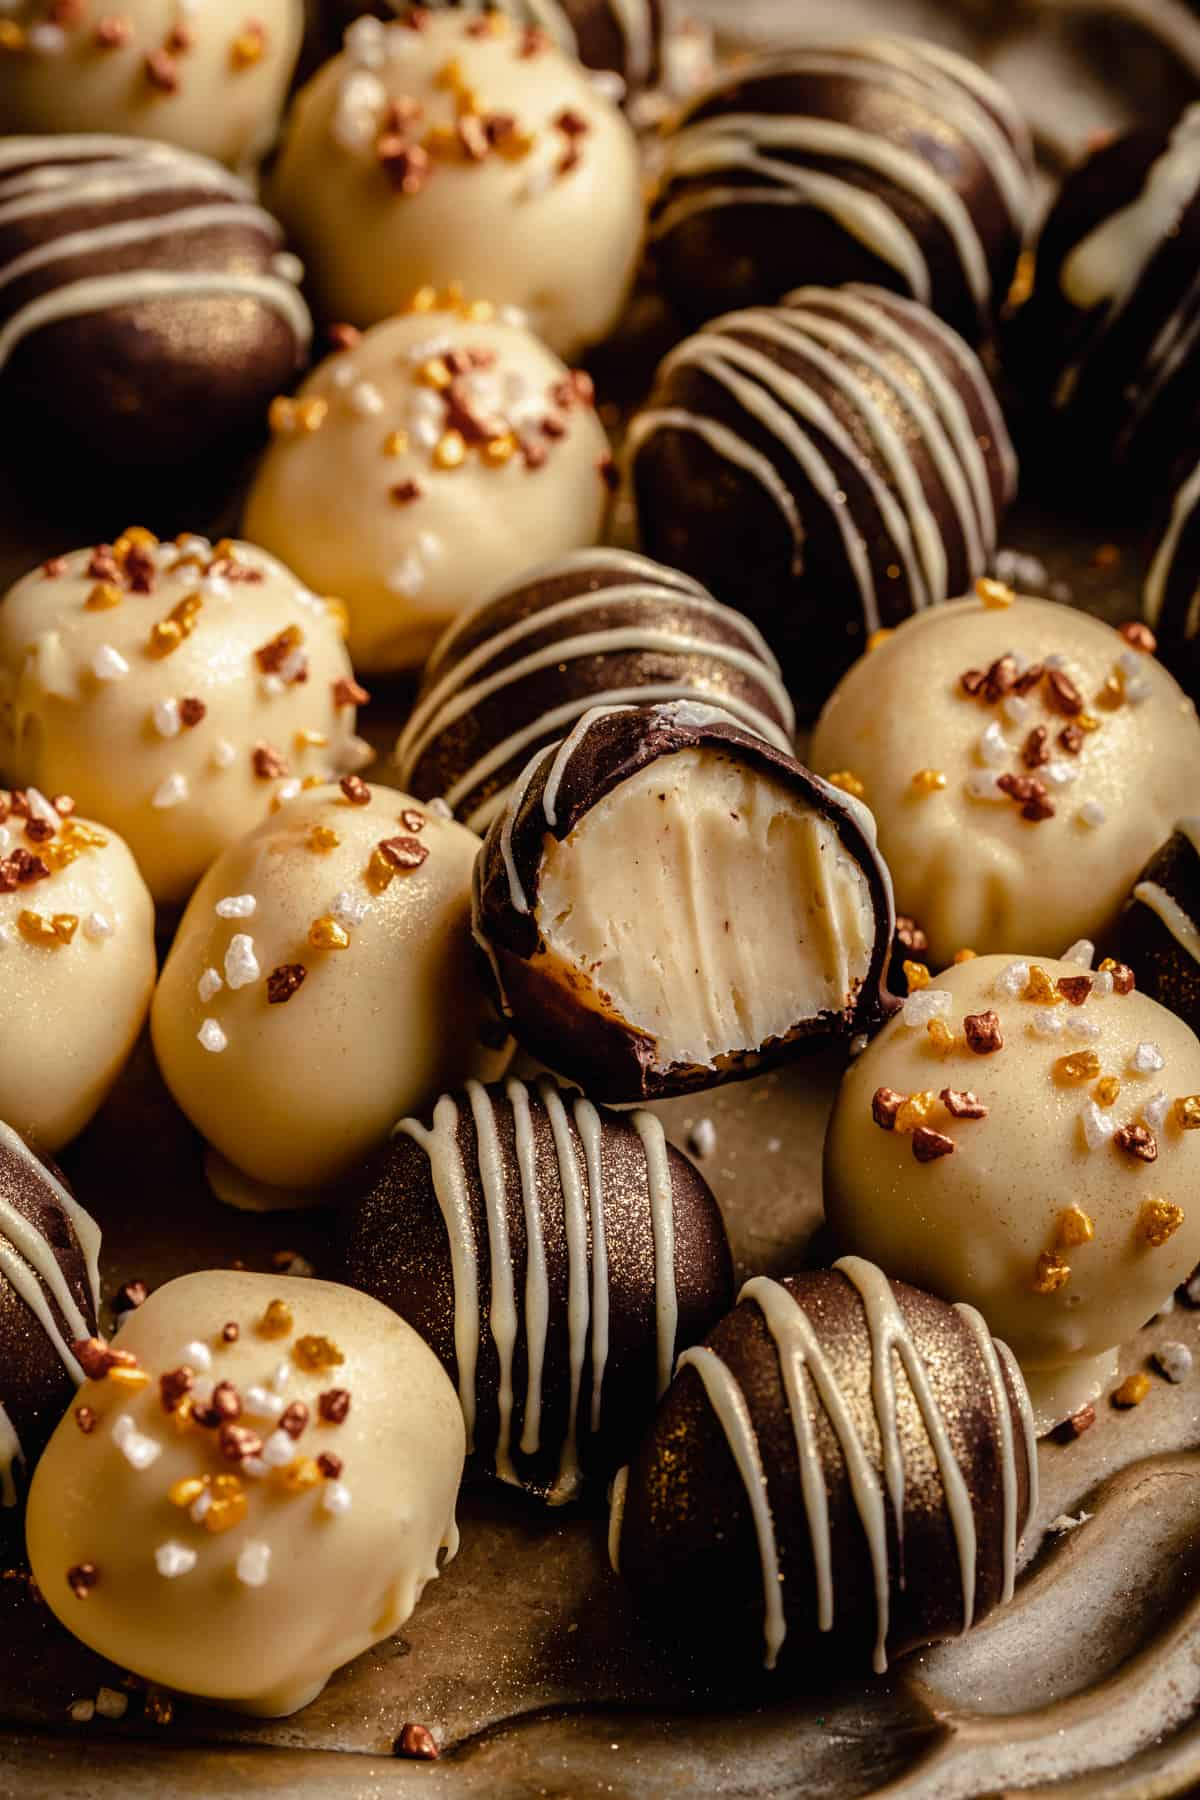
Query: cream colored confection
column 1022, row 760
column 176, row 690
column 210, row 78
column 1023, row 1136
column 466, row 150
column 322, row 985
column 267, row 1478
column 436, row 457
column 77, row 965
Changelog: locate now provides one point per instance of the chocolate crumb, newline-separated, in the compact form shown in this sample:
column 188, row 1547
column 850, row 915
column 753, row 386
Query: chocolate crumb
column 294, row 1419
column 283, row 982
column 333, row 1405
column 1136, row 1140
column 1076, row 1425
column 329, row 1465
column 1075, row 988
column 356, row 790
column 1062, row 693
column 982, row 1032
column 929, row 1145
column 961, row 1103
column 885, row 1104
column 83, row 1577
column 86, row 1420
column 130, row 1296
column 416, row 1741
column 349, row 693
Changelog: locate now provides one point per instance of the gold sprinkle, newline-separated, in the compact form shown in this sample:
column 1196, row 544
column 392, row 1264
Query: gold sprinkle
column 229, row 1505
column 12, row 37
column 1158, row 1220
column 435, row 373
column 1042, row 991
column 1108, row 1089
column 480, row 311
column 940, row 1034
column 277, row 1321
column 1050, row 1273
column 286, row 415
column 424, row 300
column 326, row 934
column 995, row 594
column 380, row 871
column 880, row 637
column 1074, row 1228
column 322, row 839
column 295, row 1477
column 915, row 1111
column 85, row 836
column 1081, row 1065
column 1112, row 694
column 1187, row 1112
column 498, row 450
column 929, row 781
column 395, row 443
column 134, row 537
column 849, row 783
column 128, row 1378
column 1132, row 1391
column 316, row 1354
column 311, row 740
column 965, row 956
column 36, row 928
column 917, row 976
column 450, row 76
column 180, row 622
column 1087, row 721
column 103, row 596
column 157, row 1707
column 450, row 451
column 187, row 1490
column 247, row 47
column 338, row 614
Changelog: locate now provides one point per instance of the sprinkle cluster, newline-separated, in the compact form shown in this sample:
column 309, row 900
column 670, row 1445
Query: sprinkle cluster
column 62, row 23
column 38, row 837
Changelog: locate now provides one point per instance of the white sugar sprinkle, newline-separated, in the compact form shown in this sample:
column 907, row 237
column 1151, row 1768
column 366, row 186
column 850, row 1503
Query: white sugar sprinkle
column 1137, row 691
column 1013, row 979
column 212, row 1037
column 199, row 1507
column 993, row 747
column 1155, row 1110
column 138, row 1450
column 260, row 1403
column 702, row 1138
column 254, row 1564
column 278, row 1450
column 237, row 906
column 171, row 792
column 923, row 1005
column 111, row 1703
column 272, row 686
column 1047, row 1024
column 108, row 664
column 97, row 926
column 1147, row 1059
column 197, row 1356
column 1091, row 814
column 209, row 986
column 366, row 399
column 46, row 39
column 1058, row 773
column 440, row 809
column 336, row 1499
column 224, row 753
column 1080, row 1026
column 1082, row 952
column 1103, row 985
column 6, row 936
column 1097, row 1126
column 290, row 789
column 406, row 577
column 254, row 1465
column 241, row 964
column 1174, row 1359
column 165, row 714
column 40, row 807
column 281, row 1375
column 349, row 910
column 172, row 1559
column 1015, row 709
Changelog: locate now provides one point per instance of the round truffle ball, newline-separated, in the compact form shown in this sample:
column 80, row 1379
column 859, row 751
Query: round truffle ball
column 77, row 964
column 49, row 1297
column 146, row 317
column 1022, row 1135
column 829, row 466
column 592, row 628
column 449, row 148
column 439, row 454
column 1106, row 343
column 322, row 984
column 270, row 1475
column 842, row 1454
column 176, row 690
column 668, row 902
column 556, row 1256
column 1169, row 598
column 208, row 78
column 889, row 161
column 1022, row 761
column 1160, row 926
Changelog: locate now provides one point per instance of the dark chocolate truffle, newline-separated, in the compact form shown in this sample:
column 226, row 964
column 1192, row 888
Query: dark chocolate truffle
column 592, row 628
column 844, row 1453
column 890, row 161
column 667, row 902
column 1171, row 597
column 1108, row 342
column 556, row 1257
column 829, row 466
column 49, row 1296
column 1160, row 926
column 146, row 318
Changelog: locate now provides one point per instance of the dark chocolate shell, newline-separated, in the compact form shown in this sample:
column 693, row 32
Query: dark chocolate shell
column 686, row 961
column 145, row 317
column 844, row 1454
column 593, row 628
column 1171, row 596
column 888, row 161
column 556, row 1257
column 1160, row 926
column 49, row 1297
column 829, row 466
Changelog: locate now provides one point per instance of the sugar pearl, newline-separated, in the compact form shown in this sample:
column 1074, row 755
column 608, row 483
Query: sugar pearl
column 237, row 906
column 254, row 1564
column 171, row 792
column 208, row 986
column 108, row 664
column 241, row 964
column 212, row 1037
column 925, row 1005
column 97, row 926
column 166, row 718
column 172, row 1559
column 138, row 1450
column 335, row 1498
column 1097, row 1127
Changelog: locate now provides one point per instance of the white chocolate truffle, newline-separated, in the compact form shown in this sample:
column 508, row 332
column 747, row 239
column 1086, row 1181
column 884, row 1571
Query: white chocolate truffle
column 175, row 690
column 247, row 1558
column 77, row 966
column 321, row 986
column 1023, row 761
column 209, row 78
column 435, row 458
column 463, row 150
column 1039, row 1165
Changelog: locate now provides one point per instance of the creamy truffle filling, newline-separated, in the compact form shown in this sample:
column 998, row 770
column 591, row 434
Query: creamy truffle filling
column 707, row 906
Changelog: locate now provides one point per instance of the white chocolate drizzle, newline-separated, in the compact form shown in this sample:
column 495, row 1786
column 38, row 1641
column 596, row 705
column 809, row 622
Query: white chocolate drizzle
column 1182, row 927
column 30, row 1264
column 10, row 1455
column 1162, row 569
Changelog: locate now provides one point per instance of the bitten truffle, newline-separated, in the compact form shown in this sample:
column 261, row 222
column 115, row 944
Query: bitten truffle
column 1022, row 761
column 244, row 1516
column 1106, row 345
column 146, row 313
column 842, row 1454
column 49, row 1297
column 321, row 985
column 890, row 161
column 1160, row 926
column 209, row 78
column 444, row 148
column 1022, row 1135
column 667, row 902
column 829, row 466
column 556, row 1257
column 176, row 690
column 77, row 964
column 591, row 628
column 441, row 453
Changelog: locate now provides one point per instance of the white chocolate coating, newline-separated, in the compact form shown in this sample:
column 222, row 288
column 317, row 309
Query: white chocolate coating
column 302, row 1090
column 257, row 1616
column 973, row 1222
column 325, row 497
column 71, row 1005
column 209, row 78
column 549, row 219
column 965, row 861
column 87, row 707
